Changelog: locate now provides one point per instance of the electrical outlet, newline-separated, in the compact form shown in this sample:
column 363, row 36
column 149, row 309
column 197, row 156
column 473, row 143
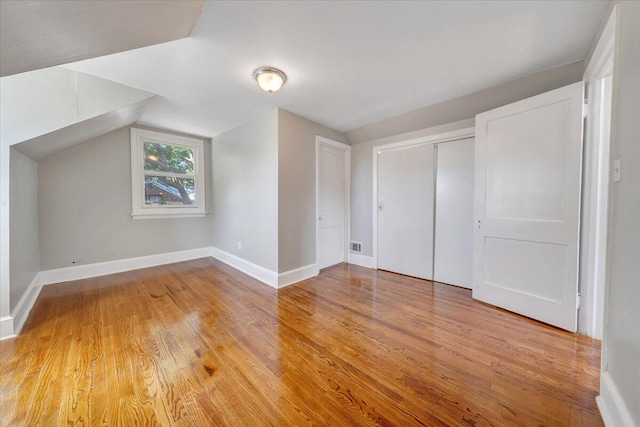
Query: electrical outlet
column 617, row 170
column 240, row 245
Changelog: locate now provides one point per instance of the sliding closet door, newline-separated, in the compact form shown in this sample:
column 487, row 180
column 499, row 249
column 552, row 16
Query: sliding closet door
column 453, row 262
column 405, row 210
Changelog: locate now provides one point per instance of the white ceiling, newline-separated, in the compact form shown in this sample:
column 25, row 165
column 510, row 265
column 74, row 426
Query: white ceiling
column 41, row 33
column 349, row 63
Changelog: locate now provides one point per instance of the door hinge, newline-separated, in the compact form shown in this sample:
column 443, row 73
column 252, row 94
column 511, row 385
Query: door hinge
column 585, row 106
column 578, row 302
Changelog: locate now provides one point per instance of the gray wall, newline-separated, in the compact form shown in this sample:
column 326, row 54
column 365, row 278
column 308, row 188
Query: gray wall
column 450, row 115
column 245, row 191
column 23, row 216
column 467, row 106
column 297, row 188
column 622, row 326
column 85, row 208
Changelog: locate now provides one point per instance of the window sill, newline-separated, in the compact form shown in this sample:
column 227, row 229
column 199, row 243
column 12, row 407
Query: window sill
column 165, row 216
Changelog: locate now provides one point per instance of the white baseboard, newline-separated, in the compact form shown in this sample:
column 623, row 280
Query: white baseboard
column 263, row 274
column 612, row 407
column 298, row 275
column 247, row 267
column 10, row 326
column 110, row 267
column 361, row 260
column 6, row 328
column 24, row 306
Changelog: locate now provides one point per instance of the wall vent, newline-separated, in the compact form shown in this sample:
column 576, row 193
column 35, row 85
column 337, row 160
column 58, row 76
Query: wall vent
column 356, row 247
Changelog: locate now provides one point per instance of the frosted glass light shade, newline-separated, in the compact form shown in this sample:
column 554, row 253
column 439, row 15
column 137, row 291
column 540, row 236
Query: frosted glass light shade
column 269, row 79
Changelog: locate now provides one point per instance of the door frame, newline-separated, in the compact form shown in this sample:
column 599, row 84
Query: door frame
column 431, row 139
column 597, row 185
column 320, row 140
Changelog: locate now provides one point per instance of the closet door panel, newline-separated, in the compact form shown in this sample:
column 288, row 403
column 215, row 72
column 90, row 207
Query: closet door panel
column 453, row 248
column 405, row 210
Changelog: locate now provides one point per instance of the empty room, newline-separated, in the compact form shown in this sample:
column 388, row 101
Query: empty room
column 330, row 213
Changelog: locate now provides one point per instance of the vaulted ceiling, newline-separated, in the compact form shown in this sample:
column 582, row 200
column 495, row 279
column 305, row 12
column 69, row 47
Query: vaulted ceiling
column 348, row 63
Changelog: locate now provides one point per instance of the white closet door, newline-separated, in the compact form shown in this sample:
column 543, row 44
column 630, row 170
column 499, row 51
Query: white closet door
column 527, row 208
column 453, row 262
column 405, row 210
column 331, row 206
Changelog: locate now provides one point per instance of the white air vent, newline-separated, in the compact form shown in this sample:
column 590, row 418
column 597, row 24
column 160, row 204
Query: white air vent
column 356, row 247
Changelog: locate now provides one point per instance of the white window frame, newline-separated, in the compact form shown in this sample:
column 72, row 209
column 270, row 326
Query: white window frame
column 139, row 210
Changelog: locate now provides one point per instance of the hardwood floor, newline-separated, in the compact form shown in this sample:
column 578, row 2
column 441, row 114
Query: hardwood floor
column 198, row 343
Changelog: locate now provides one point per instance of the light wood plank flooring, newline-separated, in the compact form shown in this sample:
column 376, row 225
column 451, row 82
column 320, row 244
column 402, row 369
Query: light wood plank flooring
column 198, row 343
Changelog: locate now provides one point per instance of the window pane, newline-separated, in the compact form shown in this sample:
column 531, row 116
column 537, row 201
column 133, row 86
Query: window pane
column 165, row 190
column 168, row 158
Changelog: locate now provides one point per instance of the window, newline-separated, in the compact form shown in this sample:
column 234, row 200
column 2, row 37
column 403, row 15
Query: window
column 167, row 175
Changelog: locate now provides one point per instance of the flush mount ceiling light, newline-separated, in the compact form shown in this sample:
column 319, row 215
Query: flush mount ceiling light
column 269, row 79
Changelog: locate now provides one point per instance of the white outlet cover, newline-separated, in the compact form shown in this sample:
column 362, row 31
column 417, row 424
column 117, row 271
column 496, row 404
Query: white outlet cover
column 617, row 170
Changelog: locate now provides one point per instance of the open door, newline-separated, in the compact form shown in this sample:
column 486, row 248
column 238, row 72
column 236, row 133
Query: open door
column 527, row 206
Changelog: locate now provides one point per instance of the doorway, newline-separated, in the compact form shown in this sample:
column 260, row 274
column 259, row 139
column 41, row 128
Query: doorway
column 333, row 160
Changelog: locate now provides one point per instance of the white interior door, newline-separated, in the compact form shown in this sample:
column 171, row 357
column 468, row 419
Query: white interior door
column 405, row 210
column 527, row 206
column 453, row 247
column 331, row 206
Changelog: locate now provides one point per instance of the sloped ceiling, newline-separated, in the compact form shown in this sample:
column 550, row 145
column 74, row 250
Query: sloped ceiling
column 48, row 110
column 36, row 34
column 82, row 131
column 349, row 63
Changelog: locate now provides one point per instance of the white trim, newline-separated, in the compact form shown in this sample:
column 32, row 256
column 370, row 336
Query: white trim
column 297, row 275
column 138, row 208
column 67, row 274
column 5, row 228
column 347, row 190
column 611, row 405
column 361, row 260
column 26, row 303
column 596, row 184
column 6, row 328
column 247, row 267
column 164, row 216
column 332, row 143
column 594, row 216
column 601, row 62
column 432, row 139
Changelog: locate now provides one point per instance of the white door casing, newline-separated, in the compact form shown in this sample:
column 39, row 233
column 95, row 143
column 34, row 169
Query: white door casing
column 527, row 206
column 332, row 202
column 596, row 188
column 405, row 210
column 453, row 240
